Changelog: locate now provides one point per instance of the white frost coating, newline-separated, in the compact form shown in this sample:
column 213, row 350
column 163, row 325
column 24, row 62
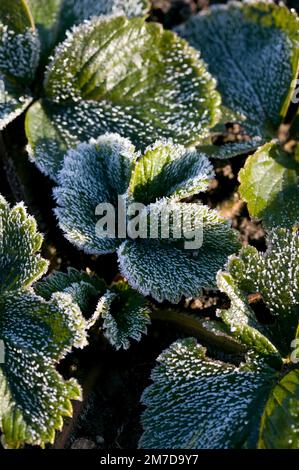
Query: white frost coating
column 275, row 276
column 101, row 171
column 253, row 55
column 37, row 334
column 129, row 321
column 199, row 403
column 112, row 74
column 84, row 9
column 19, row 53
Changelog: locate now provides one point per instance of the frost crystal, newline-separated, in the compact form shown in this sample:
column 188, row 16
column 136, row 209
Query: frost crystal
column 36, row 333
column 101, row 171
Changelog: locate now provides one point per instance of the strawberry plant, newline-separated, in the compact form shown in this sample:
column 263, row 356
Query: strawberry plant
column 197, row 401
column 158, row 155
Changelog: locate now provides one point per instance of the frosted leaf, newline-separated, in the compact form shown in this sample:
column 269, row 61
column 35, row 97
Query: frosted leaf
column 270, row 186
column 167, row 169
column 20, row 263
column 125, row 315
column 75, row 11
column 242, row 322
column 279, row 427
column 53, row 17
column 36, row 334
column 33, row 396
column 168, row 272
column 92, row 174
column 19, row 43
column 267, row 35
column 13, row 101
column 46, row 15
column 83, row 288
column 101, row 172
column 126, row 76
column 230, row 149
column 275, row 277
column 199, row 403
column 19, row 55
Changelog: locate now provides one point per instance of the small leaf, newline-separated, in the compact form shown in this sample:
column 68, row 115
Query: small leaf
column 83, row 288
column 113, row 74
column 199, row 403
column 270, row 186
column 167, row 169
column 92, row 174
column 20, row 265
column 279, row 428
column 274, row 276
column 125, row 315
column 253, row 55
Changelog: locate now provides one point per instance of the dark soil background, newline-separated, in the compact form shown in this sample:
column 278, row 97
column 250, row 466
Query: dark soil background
column 109, row 416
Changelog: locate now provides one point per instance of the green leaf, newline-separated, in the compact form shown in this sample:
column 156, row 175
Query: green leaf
column 139, row 81
column 19, row 44
column 168, row 272
column 76, row 11
column 125, row 315
column 198, row 403
column 19, row 55
column 167, row 169
column 270, row 186
column 92, row 174
column 253, row 55
column 83, row 288
column 13, row 101
column 161, row 266
column 36, row 335
column 242, row 322
column 46, row 15
column 20, row 265
column 279, row 427
column 274, row 276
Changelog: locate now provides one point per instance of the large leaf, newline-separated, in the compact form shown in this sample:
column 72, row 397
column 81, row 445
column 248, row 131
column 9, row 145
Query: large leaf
column 92, row 174
column 273, row 276
column 279, row 427
column 125, row 315
column 20, row 263
column 36, row 335
column 253, row 55
column 19, row 54
column 168, row 272
column 196, row 402
column 126, row 76
column 270, row 186
column 162, row 265
column 170, row 170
